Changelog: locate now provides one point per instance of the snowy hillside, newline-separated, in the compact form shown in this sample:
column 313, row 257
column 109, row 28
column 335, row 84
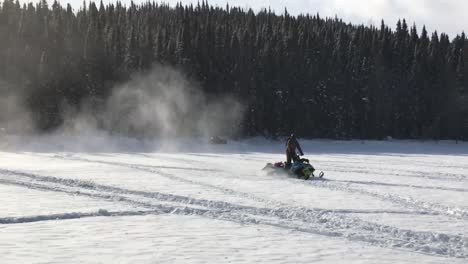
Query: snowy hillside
column 380, row 202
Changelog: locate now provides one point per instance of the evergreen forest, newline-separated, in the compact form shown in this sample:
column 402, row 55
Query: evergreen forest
column 319, row 77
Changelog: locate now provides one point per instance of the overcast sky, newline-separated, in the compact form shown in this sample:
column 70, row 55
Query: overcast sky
column 450, row 16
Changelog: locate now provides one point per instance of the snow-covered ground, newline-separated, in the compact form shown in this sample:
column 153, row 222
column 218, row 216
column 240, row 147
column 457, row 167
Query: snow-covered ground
column 190, row 202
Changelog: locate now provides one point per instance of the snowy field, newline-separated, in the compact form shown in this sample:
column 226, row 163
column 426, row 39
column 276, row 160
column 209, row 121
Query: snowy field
column 190, row 202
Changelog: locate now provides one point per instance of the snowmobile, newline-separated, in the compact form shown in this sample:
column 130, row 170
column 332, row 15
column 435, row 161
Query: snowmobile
column 301, row 169
column 217, row 140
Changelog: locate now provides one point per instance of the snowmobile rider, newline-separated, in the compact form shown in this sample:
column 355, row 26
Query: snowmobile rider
column 291, row 154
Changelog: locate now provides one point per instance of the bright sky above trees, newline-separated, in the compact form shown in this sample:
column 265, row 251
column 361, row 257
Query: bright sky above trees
column 441, row 15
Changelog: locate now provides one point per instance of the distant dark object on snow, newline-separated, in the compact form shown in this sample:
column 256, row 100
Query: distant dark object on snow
column 217, row 140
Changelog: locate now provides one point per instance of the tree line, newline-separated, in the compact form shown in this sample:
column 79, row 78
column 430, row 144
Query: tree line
column 318, row 77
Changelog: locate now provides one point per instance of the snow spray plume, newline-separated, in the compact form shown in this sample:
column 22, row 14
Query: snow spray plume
column 162, row 103
column 14, row 116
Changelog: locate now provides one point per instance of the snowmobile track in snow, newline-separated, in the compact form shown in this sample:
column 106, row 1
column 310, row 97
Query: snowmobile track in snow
column 430, row 176
column 406, row 202
column 73, row 215
column 157, row 171
column 451, row 189
column 315, row 221
column 393, row 171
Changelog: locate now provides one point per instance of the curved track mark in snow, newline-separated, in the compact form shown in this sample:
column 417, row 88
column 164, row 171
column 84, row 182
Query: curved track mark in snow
column 73, row 215
column 158, row 195
column 405, row 173
column 403, row 185
column 407, row 202
column 156, row 171
column 54, row 188
column 301, row 219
